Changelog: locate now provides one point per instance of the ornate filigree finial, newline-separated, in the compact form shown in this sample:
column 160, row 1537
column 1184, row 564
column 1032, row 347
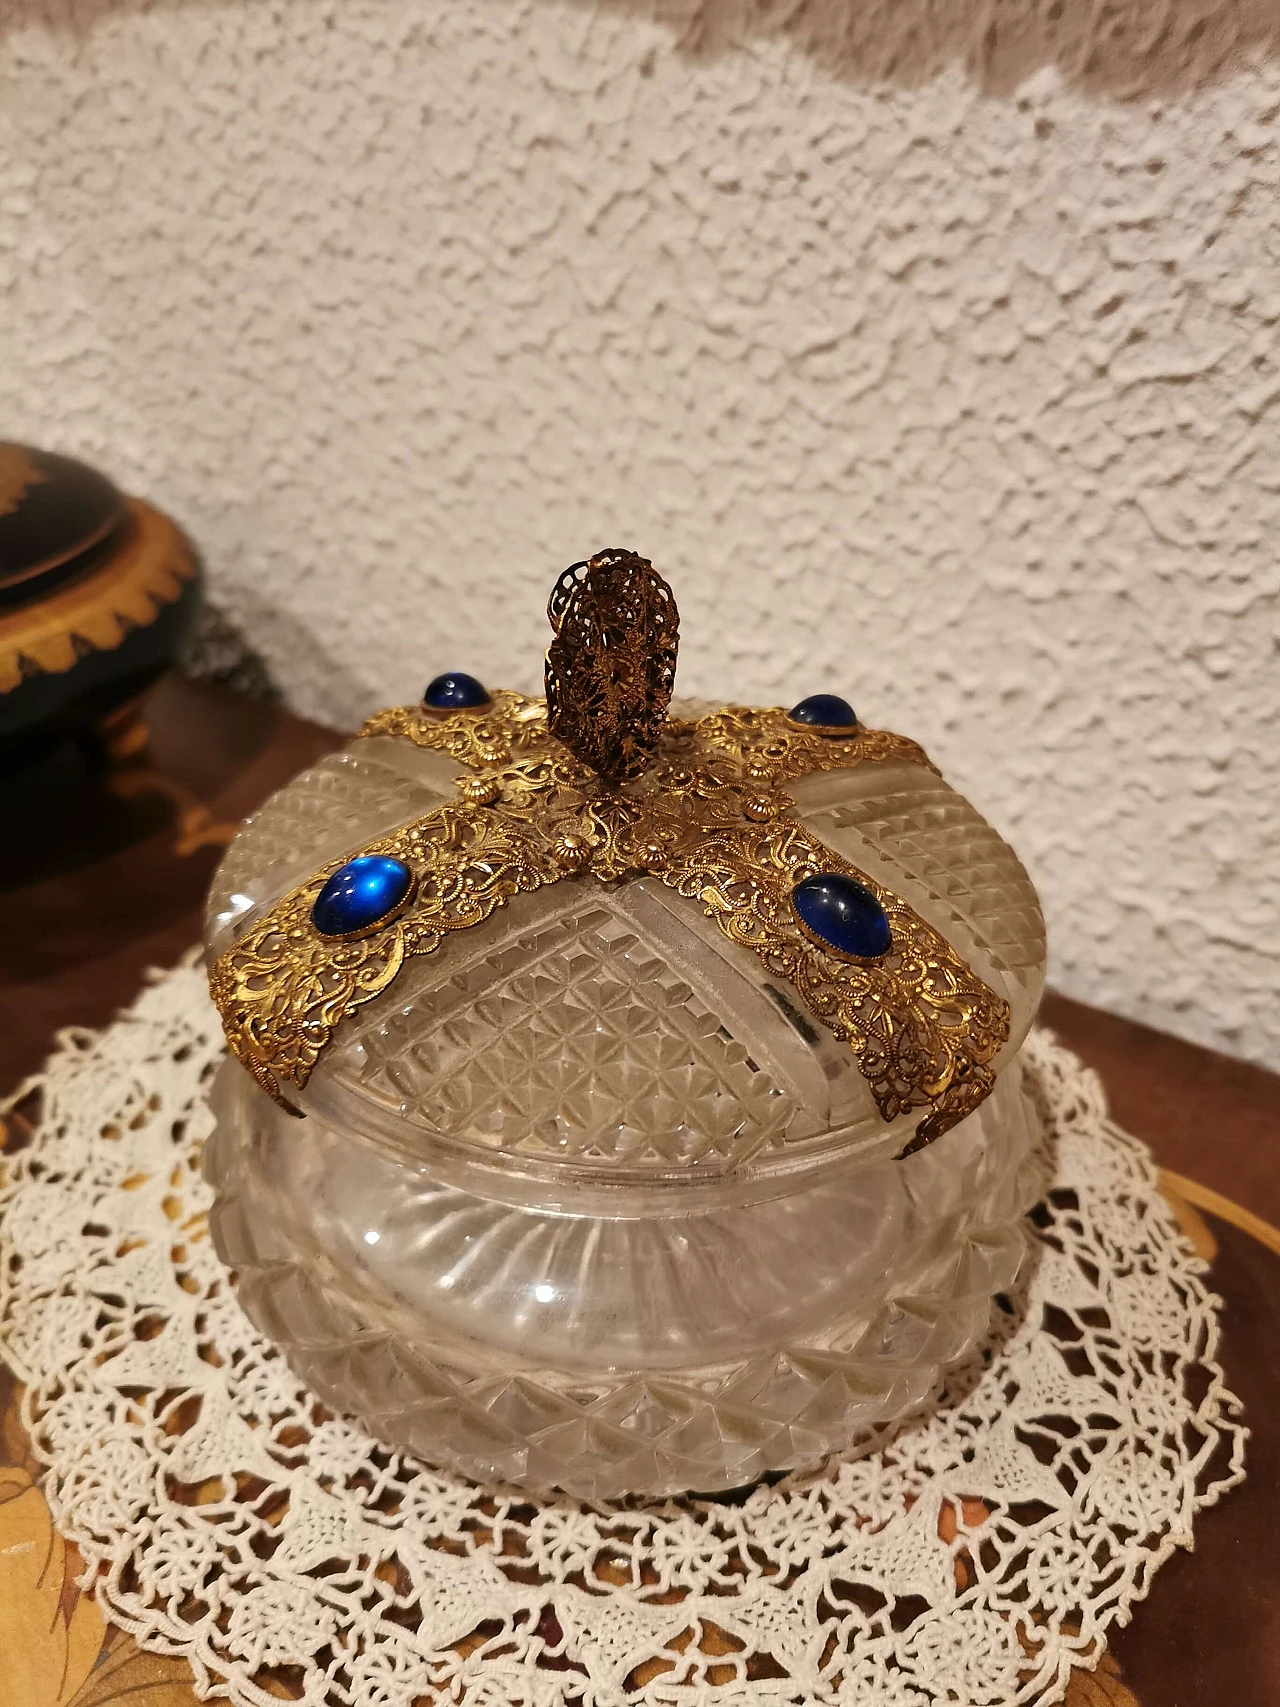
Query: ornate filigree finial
column 612, row 665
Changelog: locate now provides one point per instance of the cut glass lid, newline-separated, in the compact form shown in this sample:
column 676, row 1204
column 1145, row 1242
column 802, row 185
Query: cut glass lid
column 590, row 932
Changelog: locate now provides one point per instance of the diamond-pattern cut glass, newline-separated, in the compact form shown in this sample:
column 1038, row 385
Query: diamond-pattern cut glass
column 332, row 808
column 866, row 1308
column 578, row 1041
column 936, row 836
column 586, row 1198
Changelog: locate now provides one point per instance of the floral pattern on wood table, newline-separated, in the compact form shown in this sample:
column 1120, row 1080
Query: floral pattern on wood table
column 56, row 1649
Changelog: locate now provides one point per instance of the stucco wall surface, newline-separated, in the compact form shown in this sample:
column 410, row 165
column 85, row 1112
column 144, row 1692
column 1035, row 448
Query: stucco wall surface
column 934, row 362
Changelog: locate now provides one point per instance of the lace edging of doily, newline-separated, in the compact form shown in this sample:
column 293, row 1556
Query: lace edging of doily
column 975, row 1552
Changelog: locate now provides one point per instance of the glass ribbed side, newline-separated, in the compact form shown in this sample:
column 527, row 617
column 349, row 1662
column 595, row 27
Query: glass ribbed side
column 612, row 1356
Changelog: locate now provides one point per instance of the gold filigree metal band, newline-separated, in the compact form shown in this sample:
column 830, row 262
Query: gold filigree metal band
column 612, row 665
column 766, row 742
column 708, row 817
column 761, row 740
column 508, row 725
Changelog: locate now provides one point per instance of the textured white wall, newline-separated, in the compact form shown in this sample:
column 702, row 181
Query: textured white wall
column 928, row 367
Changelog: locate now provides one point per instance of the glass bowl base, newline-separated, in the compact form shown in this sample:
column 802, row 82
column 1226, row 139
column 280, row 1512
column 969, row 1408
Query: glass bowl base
column 617, row 1354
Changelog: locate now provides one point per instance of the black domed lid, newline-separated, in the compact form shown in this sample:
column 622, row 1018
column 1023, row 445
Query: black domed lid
column 52, row 511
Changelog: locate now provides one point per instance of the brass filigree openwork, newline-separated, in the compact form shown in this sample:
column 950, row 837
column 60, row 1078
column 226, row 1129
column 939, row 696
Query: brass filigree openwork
column 768, row 744
column 707, row 815
column 612, row 666
column 510, row 724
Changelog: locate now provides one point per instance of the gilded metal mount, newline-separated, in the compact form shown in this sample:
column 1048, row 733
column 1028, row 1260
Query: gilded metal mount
column 611, row 668
column 552, row 793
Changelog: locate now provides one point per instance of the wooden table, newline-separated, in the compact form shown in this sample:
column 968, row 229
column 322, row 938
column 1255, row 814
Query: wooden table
column 103, row 873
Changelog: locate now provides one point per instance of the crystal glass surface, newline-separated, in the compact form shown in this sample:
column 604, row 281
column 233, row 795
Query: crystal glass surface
column 586, row 1198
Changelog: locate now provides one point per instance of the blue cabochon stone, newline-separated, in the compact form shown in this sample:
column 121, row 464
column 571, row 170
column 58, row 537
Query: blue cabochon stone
column 843, row 914
column 455, row 690
column 361, row 894
column 827, row 710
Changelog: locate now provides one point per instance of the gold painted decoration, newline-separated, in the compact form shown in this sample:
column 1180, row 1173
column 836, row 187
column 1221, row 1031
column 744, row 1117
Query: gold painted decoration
column 18, row 474
column 707, row 815
column 50, row 1633
column 97, row 611
column 611, row 668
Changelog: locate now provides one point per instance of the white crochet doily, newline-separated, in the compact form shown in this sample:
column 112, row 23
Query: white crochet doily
column 973, row 1554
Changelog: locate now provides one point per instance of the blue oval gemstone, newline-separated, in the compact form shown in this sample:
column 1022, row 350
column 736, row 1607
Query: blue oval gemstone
column 360, row 895
column 455, row 690
column 843, row 915
column 826, row 710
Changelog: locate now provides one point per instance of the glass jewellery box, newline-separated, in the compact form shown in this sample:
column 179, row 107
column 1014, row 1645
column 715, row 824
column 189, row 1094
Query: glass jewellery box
column 621, row 1099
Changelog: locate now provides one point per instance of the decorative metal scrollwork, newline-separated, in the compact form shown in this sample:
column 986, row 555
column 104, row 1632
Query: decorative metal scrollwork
column 612, row 666
column 706, row 813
